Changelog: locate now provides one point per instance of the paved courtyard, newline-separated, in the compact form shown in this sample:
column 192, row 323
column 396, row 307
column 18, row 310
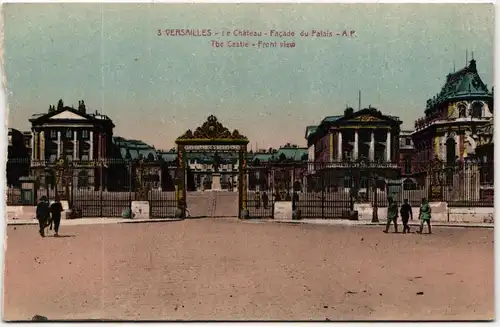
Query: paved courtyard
column 227, row 269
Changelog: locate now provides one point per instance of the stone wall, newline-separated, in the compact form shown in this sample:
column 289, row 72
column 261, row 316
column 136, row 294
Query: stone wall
column 440, row 213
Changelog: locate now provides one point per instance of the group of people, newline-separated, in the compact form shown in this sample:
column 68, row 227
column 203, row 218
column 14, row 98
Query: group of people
column 406, row 213
column 49, row 215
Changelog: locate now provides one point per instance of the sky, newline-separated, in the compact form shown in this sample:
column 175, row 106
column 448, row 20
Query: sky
column 154, row 87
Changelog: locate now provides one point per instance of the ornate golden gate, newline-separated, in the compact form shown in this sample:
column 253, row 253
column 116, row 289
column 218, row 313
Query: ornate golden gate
column 212, row 137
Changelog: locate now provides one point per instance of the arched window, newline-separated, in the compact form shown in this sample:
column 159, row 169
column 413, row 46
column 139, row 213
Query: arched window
column 477, row 110
column 462, row 111
column 450, row 151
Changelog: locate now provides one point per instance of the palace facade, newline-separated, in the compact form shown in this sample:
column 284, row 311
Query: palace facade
column 452, row 118
column 74, row 135
column 364, row 143
column 448, row 135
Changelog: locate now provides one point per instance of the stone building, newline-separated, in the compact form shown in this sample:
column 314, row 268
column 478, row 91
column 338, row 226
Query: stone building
column 76, row 136
column 364, row 143
column 284, row 168
column 138, row 162
column 406, row 153
column 485, row 152
column 18, row 158
column 448, row 132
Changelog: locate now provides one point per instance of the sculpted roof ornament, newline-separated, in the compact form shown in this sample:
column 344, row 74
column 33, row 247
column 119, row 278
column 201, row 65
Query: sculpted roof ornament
column 212, row 129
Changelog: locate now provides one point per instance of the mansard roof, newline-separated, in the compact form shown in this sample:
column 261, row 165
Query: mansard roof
column 466, row 83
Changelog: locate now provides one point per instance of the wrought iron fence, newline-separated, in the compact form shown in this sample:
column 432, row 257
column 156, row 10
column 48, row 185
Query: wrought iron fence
column 320, row 190
column 104, row 188
column 328, row 190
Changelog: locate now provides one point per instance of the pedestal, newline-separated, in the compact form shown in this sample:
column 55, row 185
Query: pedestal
column 283, row 210
column 216, row 182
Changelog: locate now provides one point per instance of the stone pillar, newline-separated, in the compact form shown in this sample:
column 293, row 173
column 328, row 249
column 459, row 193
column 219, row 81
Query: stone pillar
column 58, row 144
column 372, row 146
column 75, row 146
column 356, row 145
column 159, row 179
column 35, row 145
column 32, row 146
column 388, row 146
column 42, row 145
column 91, row 151
column 339, row 146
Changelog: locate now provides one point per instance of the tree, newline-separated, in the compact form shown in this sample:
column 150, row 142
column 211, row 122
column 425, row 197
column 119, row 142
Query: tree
column 60, row 105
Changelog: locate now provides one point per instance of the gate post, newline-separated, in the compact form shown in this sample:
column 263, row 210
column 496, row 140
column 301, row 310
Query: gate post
column 180, row 192
column 242, row 185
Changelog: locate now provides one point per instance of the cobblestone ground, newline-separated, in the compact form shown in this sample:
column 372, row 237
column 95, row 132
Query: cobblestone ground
column 225, row 269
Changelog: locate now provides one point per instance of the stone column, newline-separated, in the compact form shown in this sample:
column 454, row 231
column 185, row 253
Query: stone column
column 356, row 145
column 91, row 151
column 58, row 144
column 32, row 146
column 388, row 146
column 159, row 179
column 42, row 145
column 75, row 146
column 339, row 146
column 372, row 146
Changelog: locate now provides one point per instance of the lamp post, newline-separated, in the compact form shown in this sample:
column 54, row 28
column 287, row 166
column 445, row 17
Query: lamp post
column 375, row 198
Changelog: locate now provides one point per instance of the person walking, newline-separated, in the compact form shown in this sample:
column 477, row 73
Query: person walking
column 42, row 214
column 406, row 214
column 55, row 211
column 392, row 215
column 425, row 216
column 182, row 206
column 265, row 199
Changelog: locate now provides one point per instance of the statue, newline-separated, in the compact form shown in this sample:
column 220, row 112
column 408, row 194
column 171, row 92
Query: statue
column 81, row 106
column 60, row 105
column 216, row 162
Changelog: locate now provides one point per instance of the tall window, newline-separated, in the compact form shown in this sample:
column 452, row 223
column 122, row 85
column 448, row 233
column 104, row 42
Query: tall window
column 407, row 165
column 461, row 111
column 450, row 151
column 477, row 110
column 85, row 134
column 53, row 133
column 69, row 134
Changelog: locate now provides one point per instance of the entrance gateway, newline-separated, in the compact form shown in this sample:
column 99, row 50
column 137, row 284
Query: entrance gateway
column 224, row 149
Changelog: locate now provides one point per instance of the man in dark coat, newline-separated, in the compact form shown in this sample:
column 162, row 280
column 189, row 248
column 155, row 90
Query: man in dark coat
column 55, row 211
column 406, row 214
column 42, row 214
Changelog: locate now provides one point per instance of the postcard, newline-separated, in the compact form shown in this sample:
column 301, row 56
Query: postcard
column 249, row 162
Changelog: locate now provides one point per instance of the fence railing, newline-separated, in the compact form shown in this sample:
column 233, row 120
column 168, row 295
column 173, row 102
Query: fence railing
column 106, row 188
